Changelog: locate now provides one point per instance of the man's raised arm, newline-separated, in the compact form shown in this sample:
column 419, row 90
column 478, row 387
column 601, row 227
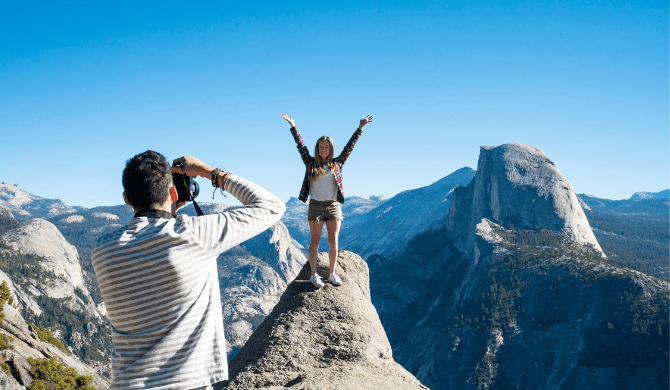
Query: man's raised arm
column 222, row 231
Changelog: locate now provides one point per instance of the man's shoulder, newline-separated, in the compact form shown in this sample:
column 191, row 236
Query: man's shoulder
column 109, row 236
column 102, row 243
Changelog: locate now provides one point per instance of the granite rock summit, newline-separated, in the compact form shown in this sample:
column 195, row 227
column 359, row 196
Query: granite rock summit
column 321, row 339
column 60, row 259
column 517, row 185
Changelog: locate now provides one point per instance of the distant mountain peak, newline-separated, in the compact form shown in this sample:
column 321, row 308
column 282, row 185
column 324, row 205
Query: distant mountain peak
column 517, row 184
column 665, row 194
column 24, row 205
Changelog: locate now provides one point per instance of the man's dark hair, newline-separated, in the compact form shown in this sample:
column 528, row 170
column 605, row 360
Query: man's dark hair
column 147, row 179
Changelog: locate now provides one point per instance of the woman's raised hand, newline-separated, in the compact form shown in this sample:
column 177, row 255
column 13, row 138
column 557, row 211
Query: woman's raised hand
column 288, row 119
column 364, row 121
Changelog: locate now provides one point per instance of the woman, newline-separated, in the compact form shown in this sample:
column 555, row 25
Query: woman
column 323, row 185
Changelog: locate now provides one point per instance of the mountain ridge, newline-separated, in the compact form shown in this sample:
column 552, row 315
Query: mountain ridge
column 495, row 298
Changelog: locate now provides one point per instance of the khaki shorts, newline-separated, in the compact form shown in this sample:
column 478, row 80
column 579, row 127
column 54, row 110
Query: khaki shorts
column 329, row 210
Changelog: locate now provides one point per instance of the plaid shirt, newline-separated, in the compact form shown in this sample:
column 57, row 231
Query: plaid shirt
column 338, row 162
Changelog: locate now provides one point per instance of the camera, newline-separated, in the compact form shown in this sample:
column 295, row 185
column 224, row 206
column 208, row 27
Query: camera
column 187, row 187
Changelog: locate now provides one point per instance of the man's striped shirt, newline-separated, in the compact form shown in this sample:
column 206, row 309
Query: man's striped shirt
column 159, row 282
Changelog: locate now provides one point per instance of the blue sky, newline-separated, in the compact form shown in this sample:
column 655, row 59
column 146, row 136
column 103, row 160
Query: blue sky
column 87, row 85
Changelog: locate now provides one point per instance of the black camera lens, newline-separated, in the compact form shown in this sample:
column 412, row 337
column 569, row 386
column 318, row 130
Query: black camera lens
column 194, row 187
column 187, row 188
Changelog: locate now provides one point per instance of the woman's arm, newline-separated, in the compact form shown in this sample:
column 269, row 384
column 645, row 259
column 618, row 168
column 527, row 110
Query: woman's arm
column 304, row 151
column 349, row 147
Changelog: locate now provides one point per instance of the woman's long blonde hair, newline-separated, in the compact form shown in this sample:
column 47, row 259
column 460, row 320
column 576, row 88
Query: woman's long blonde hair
column 317, row 165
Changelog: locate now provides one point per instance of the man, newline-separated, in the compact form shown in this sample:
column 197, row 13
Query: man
column 158, row 275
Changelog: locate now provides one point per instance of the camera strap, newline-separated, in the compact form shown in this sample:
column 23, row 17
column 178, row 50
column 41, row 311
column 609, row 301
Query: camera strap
column 154, row 214
column 197, row 208
column 195, row 204
column 190, row 193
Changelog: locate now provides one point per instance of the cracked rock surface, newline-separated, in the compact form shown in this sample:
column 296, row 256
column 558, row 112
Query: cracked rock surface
column 321, row 338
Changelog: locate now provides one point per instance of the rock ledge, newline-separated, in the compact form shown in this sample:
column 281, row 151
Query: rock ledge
column 327, row 338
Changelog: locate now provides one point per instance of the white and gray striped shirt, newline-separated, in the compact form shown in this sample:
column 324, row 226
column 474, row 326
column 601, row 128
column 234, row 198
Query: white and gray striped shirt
column 159, row 282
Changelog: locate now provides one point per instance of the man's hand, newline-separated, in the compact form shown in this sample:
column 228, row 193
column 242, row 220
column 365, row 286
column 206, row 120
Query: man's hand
column 365, row 121
column 288, row 119
column 193, row 167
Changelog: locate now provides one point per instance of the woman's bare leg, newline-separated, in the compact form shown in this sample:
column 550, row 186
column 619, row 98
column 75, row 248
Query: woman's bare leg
column 333, row 228
column 315, row 228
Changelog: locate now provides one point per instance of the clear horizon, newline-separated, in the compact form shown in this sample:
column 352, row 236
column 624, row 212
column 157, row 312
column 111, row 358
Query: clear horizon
column 204, row 200
column 87, row 86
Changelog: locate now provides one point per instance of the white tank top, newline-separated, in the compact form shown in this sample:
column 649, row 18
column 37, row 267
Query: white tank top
column 324, row 188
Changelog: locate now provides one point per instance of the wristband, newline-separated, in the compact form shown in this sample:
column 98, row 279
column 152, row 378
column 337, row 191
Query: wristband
column 215, row 180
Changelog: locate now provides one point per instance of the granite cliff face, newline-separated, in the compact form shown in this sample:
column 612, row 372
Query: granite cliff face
column 41, row 238
column 321, row 339
column 517, row 184
column 511, row 292
column 43, row 273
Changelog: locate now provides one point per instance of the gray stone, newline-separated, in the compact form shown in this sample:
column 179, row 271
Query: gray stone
column 518, row 184
column 91, row 329
column 20, row 367
column 26, row 344
column 252, row 278
column 319, row 339
column 40, row 237
column 7, row 382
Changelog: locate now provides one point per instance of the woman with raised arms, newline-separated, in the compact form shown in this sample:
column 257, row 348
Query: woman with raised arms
column 323, row 185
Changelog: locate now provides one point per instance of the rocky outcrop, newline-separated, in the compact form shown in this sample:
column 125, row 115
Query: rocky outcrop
column 25, row 344
column 44, row 276
column 6, row 215
column 59, row 259
column 41, row 238
column 26, row 300
column 517, row 185
column 321, row 339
